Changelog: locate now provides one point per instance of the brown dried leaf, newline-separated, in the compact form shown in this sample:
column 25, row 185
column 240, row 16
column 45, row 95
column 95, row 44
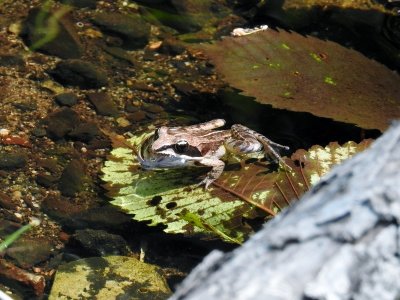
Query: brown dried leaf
column 299, row 73
column 272, row 191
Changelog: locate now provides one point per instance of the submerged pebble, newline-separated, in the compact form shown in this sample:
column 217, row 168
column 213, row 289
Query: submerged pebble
column 12, row 161
column 64, row 44
column 100, row 242
column 72, row 179
column 76, row 72
column 103, row 104
column 132, row 29
column 66, row 99
column 61, row 122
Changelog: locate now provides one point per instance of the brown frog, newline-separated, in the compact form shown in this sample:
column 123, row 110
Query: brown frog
column 203, row 145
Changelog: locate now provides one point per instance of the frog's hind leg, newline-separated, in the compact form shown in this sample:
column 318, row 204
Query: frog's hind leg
column 245, row 140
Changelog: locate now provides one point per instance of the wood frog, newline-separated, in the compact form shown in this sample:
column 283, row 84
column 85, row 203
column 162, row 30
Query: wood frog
column 202, row 145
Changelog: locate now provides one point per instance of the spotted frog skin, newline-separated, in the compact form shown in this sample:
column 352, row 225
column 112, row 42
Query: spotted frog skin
column 202, row 145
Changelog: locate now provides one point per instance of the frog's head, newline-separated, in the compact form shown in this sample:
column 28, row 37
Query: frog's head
column 169, row 148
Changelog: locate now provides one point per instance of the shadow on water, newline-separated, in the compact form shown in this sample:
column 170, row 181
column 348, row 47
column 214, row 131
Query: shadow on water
column 295, row 129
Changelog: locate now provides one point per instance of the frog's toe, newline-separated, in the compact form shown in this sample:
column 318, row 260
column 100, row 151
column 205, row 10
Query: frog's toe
column 206, row 182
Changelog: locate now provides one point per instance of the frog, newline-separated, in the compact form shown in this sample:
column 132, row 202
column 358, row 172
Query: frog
column 204, row 144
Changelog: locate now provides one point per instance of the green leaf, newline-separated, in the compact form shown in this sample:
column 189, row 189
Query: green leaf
column 244, row 191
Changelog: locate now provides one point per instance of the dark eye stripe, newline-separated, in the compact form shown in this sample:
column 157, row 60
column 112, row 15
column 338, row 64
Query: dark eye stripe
column 193, row 152
column 156, row 134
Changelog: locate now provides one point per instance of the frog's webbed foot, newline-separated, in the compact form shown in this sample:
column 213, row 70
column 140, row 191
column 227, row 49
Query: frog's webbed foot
column 275, row 153
column 206, row 182
column 246, row 140
column 214, row 173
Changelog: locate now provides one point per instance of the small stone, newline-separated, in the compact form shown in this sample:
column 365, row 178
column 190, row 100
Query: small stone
column 100, row 242
column 131, row 29
column 120, row 54
column 6, row 202
column 136, row 116
column 79, row 73
column 129, row 107
column 103, row 104
column 16, row 140
column 16, row 196
column 61, row 122
column 184, row 88
column 53, row 86
column 66, row 99
column 65, row 43
column 50, row 164
column 15, row 28
column 85, row 132
column 99, row 143
column 153, row 108
column 105, row 217
column 38, row 132
column 46, row 180
column 142, row 86
column 61, row 208
column 154, row 45
column 12, row 161
column 25, row 106
column 72, row 179
column 123, row 122
column 27, row 252
column 11, row 60
column 18, row 215
column 4, row 132
column 172, row 46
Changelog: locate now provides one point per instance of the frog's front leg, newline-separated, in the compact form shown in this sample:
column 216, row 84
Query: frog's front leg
column 216, row 171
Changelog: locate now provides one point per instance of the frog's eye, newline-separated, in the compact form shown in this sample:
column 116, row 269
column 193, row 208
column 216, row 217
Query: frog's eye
column 181, row 146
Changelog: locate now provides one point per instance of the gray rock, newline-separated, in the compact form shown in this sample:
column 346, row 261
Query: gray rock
column 340, row 241
column 76, row 72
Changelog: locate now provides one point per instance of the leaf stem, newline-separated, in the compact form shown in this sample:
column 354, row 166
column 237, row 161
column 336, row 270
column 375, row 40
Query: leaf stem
column 243, row 197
